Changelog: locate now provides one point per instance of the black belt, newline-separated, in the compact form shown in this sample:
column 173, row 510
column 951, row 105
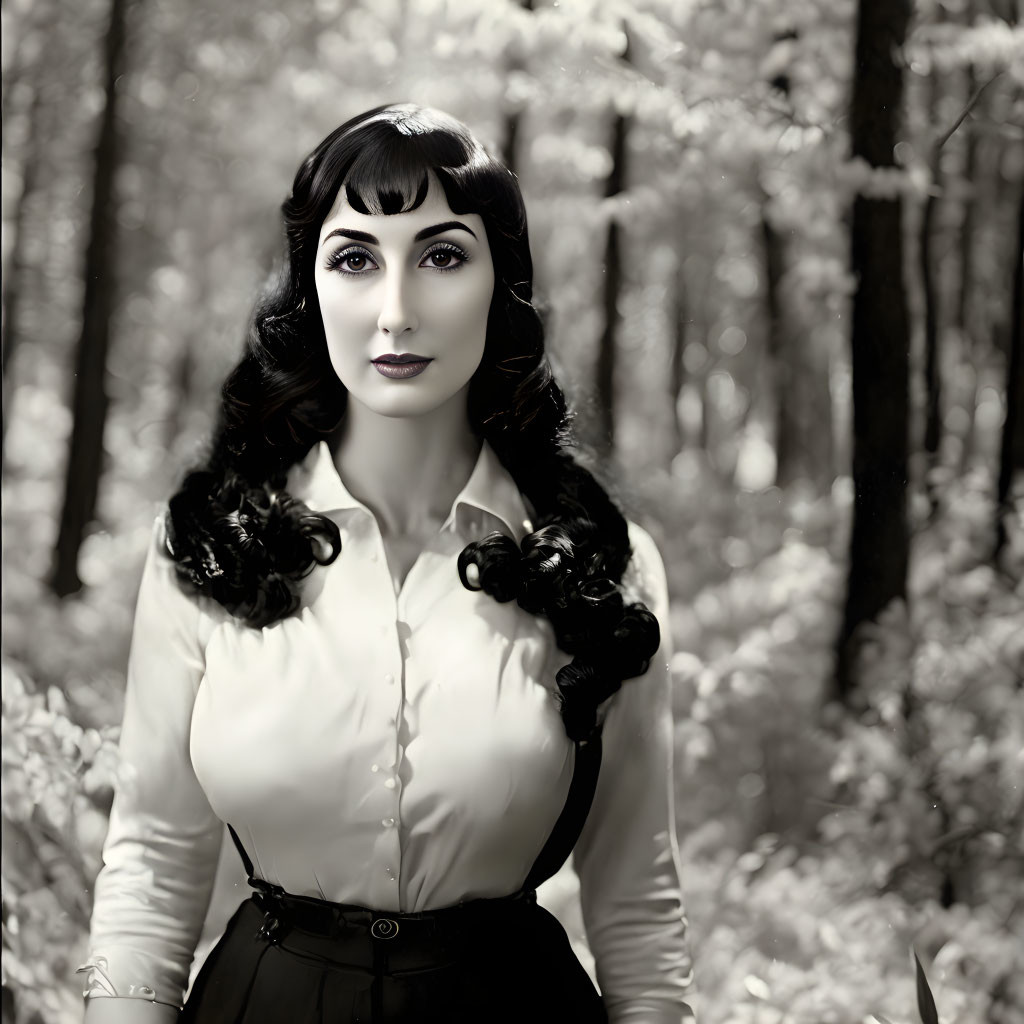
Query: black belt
column 284, row 911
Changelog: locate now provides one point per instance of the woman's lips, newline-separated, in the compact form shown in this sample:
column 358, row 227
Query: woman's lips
column 400, row 367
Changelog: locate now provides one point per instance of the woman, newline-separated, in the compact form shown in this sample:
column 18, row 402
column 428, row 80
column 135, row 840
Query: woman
column 383, row 633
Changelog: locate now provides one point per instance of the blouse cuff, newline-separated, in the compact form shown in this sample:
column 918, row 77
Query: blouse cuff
column 650, row 1013
column 134, row 979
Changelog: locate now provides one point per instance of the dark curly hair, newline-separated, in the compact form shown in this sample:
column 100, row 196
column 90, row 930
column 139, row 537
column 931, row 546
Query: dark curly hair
column 236, row 534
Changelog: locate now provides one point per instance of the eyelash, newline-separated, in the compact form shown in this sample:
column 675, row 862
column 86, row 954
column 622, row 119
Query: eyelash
column 447, row 247
column 336, row 259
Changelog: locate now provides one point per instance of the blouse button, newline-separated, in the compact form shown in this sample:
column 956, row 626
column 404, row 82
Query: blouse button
column 374, row 767
column 389, row 784
column 373, row 556
column 389, row 679
column 387, row 822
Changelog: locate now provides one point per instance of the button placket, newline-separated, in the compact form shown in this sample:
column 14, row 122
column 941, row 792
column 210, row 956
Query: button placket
column 387, row 695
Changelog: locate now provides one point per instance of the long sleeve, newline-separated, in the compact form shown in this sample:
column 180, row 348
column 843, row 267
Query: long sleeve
column 163, row 841
column 627, row 857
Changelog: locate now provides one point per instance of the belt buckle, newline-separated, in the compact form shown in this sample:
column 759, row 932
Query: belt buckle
column 384, row 928
column 269, row 929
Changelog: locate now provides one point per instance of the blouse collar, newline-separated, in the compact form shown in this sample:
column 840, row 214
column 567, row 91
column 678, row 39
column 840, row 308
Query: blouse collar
column 315, row 482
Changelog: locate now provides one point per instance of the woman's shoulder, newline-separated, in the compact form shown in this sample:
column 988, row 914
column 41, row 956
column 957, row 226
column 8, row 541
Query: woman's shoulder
column 162, row 585
column 645, row 572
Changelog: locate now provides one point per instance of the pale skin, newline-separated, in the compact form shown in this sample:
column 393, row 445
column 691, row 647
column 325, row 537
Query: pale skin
column 405, row 447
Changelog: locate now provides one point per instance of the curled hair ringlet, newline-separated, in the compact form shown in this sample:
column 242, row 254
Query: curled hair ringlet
column 237, row 535
column 498, row 561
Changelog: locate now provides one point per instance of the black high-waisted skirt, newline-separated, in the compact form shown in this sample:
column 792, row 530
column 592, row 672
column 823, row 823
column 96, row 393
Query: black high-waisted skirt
column 295, row 960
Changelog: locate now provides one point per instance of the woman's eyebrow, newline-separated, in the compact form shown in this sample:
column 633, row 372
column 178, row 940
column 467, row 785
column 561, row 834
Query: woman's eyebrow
column 356, row 236
column 363, row 236
column 448, row 225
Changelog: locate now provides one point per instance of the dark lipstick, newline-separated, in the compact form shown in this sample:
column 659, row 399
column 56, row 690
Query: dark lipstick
column 400, row 367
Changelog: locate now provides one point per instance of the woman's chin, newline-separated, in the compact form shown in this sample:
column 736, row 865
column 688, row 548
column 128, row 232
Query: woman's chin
column 406, row 401
column 412, row 398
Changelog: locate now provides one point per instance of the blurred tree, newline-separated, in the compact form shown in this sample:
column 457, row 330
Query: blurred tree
column 514, row 116
column 963, row 316
column 790, row 440
column 612, row 287
column 17, row 267
column 880, row 341
column 27, row 73
column 787, row 367
column 1011, row 450
column 89, row 402
column 930, row 299
column 677, row 367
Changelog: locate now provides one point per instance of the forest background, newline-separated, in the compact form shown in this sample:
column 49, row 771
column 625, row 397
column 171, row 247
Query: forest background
column 779, row 245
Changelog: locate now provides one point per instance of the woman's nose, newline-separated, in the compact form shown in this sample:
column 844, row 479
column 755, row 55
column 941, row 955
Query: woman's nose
column 397, row 314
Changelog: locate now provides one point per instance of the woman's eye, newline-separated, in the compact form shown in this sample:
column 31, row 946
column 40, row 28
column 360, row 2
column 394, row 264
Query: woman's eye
column 444, row 257
column 351, row 261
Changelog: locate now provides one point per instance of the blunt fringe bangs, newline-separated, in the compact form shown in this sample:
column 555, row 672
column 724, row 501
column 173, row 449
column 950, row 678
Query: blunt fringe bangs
column 382, row 160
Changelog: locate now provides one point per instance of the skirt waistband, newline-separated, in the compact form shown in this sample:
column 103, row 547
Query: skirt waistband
column 284, row 911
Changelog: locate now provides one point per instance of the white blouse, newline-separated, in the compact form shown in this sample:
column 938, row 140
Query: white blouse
column 400, row 751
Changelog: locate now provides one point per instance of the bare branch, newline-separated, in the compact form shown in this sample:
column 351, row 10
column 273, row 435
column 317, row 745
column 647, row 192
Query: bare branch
column 967, row 109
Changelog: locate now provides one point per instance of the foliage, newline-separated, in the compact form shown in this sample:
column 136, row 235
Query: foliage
column 786, row 937
column 56, row 782
column 892, row 828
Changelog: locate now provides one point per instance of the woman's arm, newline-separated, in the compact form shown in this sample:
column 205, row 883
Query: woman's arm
column 162, row 845
column 627, row 856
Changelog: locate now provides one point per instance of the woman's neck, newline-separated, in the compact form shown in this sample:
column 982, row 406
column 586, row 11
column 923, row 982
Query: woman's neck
column 406, row 469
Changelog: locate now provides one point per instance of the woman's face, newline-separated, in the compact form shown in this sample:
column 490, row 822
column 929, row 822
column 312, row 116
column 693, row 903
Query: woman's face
column 404, row 299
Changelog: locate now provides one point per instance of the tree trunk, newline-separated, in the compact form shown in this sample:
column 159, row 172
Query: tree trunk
column 510, row 145
column 605, row 439
column 707, row 412
column 784, row 371
column 513, row 119
column 880, row 344
column 965, row 298
column 1011, row 451
column 677, row 368
column 14, row 278
column 182, row 384
column 799, row 379
column 932, row 373
column 89, row 401
column 29, row 68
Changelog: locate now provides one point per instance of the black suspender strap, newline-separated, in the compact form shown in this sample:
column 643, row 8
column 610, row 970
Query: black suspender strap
column 574, row 814
column 246, row 863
